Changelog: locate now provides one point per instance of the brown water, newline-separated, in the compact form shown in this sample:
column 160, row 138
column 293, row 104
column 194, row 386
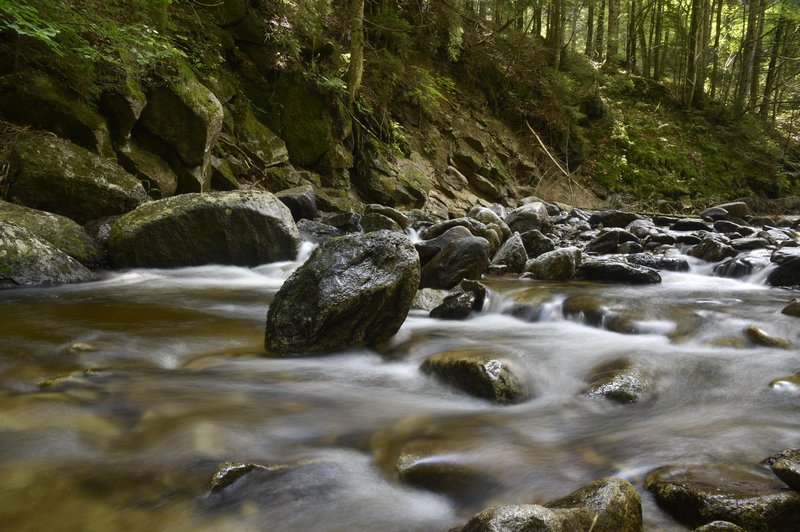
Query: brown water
column 118, row 398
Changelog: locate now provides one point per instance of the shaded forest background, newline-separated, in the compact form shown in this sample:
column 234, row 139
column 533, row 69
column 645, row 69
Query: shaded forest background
column 654, row 100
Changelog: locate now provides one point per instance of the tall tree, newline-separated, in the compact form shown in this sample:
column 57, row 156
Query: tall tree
column 600, row 32
column 746, row 63
column 612, row 46
column 716, row 50
column 356, row 69
column 757, row 56
column 590, row 29
column 555, row 31
column 769, row 84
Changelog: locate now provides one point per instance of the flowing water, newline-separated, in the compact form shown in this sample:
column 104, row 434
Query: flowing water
column 118, row 398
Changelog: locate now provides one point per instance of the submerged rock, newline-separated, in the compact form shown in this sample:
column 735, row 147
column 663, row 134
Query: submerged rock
column 27, row 260
column 229, row 472
column 618, row 380
column 610, row 504
column 353, row 290
column 245, row 228
column 792, row 309
column 57, row 176
column 741, row 495
column 761, row 337
column 479, row 372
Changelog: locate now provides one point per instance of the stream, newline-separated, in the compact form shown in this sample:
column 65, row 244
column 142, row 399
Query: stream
column 119, row 397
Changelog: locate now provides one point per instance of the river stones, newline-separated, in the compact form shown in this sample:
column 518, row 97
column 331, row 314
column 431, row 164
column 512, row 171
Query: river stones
column 536, row 243
column 428, row 299
column 493, row 235
column 690, row 224
column 557, row 265
column 786, row 466
column 790, row 383
column 375, row 221
column 428, row 249
column 229, row 472
column 302, row 202
column 529, row 217
column 57, row 176
column 588, row 308
column 396, row 216
column 244, row 228
column 712, row 250
column 617, row 272
column 672, row 264
column 792, row 309
column 745, row 496
column 719, row 526
column 60, row 231
column 610, row 504
column 736, row 209
column 609, row 241
column 465, row 258
column 743, row 265
column 317, row 232
column 619, row 380
column 479, row 372
column 353, row 290
column 511, row 255
column 491, row 219
column 612, row 218
column 760, row 337
column 27, row 260
column 459, row 304
column 787, row 269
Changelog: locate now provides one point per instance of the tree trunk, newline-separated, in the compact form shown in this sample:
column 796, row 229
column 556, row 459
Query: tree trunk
column 600, row 32
column 356, row 68
column 537, row 19
column 757, row 56
column 590, row 30
column 716, row 50
column 643, row 52
column 698, row 93
column 769, row 84
column 612, row 47
column 693, row 51
column 630, row 42
column 656, row 46
column 555, row 31
column 746, row 64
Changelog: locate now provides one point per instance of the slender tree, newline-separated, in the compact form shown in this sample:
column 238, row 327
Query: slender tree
column 612, row 46
column 356, row 69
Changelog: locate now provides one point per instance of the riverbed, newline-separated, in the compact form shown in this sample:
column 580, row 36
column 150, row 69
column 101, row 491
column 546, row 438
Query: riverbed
column 119, row 397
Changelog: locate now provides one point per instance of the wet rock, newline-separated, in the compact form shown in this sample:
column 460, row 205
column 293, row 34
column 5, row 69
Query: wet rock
column 711, row 250
column 511, row 254
column 610, row 504
column 741, row 495
column 663, row 238
column 229, row 472
column 428, row 249
column 429, row 298
column 529, row 217
column 672, row 264
column 302, row 202
column 586, row 308
column 353, row 290
column 786, row 384
column 743, row 265
column 617, row 272
column 536, row 243
column 456, row 306
column 618, row 380
column 245, row 228
column 726, row 226
column 432, row 465
column 714, row 213
column 317, row 232
column 761, row 337
column 479, row 372
column 27, row 260
column 719, row 526
column 786, row 466
column 61, row 232
column 612, row 218
column 662, row 220
column 690, row 224
column 630, row 248
column 466, row 258
column 476, row 228
column 373, row 221
column 792, row 309
column 490, row 218
column 349, row 222
column 609, row 240
column 748, row 243
column 398, row 217
column 57, row 176
column 787, row 273
column 557, row 265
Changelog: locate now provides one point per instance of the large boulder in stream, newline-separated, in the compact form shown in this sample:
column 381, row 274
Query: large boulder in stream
column 353, row 290
column 617, row 272
column 59, row 231
column 610, row 504
column 466, row 258
column 27, row 260
column 745, row 496
column 245, row 228
column 557, row 265
column 57, row 176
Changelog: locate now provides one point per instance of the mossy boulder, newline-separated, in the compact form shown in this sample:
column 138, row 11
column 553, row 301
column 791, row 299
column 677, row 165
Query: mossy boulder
column 59, row 231
column 479, row 372
column 122, row 107
column 154, row 172
column 401, row 183
column 258, row 141
column 27, row 260
column 58, row 176
column 245, row 228
column 38, row 101
column 745, row 496
column 353, row 290
column 187, row 117
column 609, row 504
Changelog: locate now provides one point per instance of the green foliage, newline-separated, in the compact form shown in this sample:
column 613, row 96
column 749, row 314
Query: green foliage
column 25, row 20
